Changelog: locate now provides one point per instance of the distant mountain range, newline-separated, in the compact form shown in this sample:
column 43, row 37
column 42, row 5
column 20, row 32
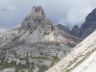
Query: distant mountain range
column 86, row 28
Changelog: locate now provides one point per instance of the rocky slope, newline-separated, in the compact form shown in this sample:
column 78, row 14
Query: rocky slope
column 6, row 36
column 75, row 31
column 37, row 46
column 81, row 59
column 63, row 28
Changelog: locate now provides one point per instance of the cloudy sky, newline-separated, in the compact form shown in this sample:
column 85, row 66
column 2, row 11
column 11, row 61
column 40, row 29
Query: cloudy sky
column 66, row 12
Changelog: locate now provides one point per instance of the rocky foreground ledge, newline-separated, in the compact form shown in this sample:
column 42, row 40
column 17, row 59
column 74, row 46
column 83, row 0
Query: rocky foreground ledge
column 81, row 59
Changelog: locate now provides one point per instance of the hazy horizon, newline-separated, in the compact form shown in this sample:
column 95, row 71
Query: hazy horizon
column 66, row 12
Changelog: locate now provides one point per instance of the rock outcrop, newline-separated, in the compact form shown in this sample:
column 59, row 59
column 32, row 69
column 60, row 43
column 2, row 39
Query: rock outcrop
column 90, row 24
column 75, row 31
column 37, row 46
column 63, row 28
column 80, row 59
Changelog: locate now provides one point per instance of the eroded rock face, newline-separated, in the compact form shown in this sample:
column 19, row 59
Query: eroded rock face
column 37, row 27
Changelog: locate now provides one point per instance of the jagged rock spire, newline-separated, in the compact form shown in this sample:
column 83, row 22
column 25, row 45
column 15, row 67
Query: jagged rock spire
column 37, row 11
column 37, row 27
column 36, row 18
column 76, row 31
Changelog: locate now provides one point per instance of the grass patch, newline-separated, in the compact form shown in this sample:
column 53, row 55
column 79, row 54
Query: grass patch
column 45, row 58
column 7, row 65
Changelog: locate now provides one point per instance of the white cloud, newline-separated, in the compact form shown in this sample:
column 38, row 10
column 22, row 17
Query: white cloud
column 76, row 16
column 3, row 30
column 5, row 9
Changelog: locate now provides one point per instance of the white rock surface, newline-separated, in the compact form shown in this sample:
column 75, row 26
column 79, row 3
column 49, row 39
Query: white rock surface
column 81, row 59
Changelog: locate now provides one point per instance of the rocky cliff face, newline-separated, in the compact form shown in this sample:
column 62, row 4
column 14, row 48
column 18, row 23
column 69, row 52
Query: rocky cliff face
column 90, row 24
column 80, row 59
column 37, row 46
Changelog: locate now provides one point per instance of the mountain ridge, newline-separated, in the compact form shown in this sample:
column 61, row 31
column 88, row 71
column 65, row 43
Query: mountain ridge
column 87, row 27
column 38, row 44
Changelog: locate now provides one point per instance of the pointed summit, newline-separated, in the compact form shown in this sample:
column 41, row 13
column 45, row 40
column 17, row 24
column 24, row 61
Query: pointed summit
column 76, row 31
column 35, row 19
column 37, row 11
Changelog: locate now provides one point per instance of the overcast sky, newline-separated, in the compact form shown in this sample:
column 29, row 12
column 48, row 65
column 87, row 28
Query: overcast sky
column 66, row 12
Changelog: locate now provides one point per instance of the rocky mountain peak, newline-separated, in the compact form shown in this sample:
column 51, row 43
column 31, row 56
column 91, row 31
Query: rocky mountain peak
column 35, row 19
column 38, row 11
column 75, row 31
